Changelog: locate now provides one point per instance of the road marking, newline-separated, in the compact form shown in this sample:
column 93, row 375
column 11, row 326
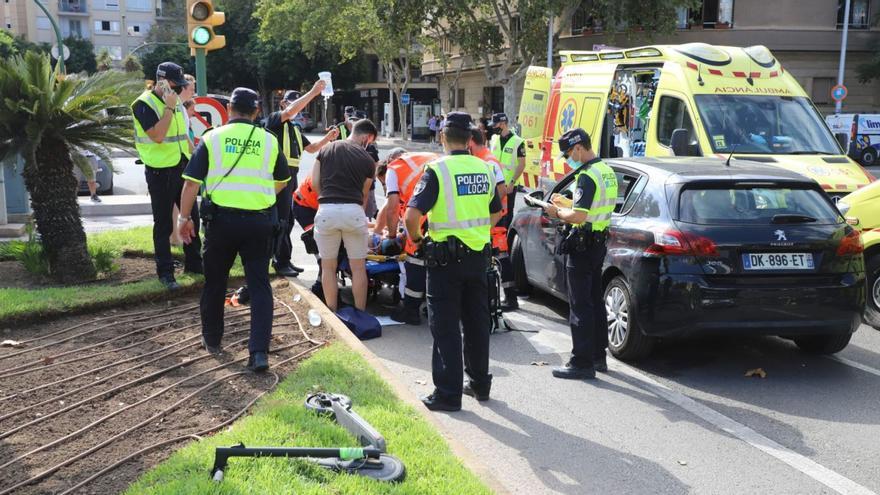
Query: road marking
column 550, row 340
column 860, row 366
column 818, row 472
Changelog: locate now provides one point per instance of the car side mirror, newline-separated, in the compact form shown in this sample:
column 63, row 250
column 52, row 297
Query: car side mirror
column 679, row 142
column 841, row 138
column 537, row 195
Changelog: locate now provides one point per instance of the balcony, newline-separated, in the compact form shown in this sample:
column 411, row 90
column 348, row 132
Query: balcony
column 72, row 7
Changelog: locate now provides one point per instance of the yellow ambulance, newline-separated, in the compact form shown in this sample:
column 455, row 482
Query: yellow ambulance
column 681, row 100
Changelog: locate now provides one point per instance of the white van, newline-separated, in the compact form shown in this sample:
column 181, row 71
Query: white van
column 859, row 134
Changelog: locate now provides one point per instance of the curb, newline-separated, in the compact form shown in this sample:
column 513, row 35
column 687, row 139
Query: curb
column 342, row 332
column 109, row 209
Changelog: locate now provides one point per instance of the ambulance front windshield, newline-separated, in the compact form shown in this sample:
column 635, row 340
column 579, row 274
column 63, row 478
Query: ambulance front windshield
column 765, row 125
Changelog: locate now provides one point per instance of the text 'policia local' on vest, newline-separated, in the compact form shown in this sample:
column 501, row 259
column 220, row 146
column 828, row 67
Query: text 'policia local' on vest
column 176, row 143
column 462, row 207
column 251, row 184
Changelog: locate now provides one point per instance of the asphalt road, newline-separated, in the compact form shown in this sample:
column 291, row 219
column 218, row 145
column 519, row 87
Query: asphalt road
column 685, row 420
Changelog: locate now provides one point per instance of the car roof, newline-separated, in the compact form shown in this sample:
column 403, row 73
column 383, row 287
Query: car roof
column 688, row 169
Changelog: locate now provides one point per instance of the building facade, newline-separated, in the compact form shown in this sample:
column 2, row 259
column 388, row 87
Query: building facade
column 805, row 36
column 117, row 26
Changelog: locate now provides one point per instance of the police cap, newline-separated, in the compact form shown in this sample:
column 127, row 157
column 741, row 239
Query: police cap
column 573, row 137
column 172, row 72
column 292, row 95
column 498, row 118
column 349, row 110
column 459, row 120
column 245, row 98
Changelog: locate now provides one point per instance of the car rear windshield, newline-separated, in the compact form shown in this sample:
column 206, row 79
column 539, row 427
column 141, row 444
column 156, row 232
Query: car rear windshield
column 737, row 204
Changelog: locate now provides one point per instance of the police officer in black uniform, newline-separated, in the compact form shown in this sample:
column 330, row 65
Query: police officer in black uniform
column 242, row 170
column 583, row 244
column 293, row 143
column 457, row 193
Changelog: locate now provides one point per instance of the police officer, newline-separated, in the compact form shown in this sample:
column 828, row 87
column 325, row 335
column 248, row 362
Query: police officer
column 510, row 151
column 348, row 120
column 161, row 133
column 584, row 249
column 242, row 170
column 293, row 144
column 457, row 193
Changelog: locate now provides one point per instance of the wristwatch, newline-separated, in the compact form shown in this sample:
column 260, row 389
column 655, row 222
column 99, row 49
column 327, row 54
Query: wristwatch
column 182, row 220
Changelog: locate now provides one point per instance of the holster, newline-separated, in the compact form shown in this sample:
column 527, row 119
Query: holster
column 207, row 210
column 572, row 239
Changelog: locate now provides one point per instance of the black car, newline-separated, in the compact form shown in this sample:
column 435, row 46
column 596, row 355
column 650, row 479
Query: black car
column 696, row 246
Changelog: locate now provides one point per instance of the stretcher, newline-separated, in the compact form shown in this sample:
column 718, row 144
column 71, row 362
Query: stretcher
column 383, row 273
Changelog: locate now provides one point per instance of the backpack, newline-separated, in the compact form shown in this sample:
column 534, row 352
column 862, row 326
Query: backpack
column 364, row 325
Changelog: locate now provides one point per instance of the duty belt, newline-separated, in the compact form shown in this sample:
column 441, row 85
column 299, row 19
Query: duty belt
column 239, row 211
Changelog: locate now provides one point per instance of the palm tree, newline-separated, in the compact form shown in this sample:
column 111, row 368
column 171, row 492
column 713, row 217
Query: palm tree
column 50, row 120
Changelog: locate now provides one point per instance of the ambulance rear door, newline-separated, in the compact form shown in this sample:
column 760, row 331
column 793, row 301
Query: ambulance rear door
column 532, row 114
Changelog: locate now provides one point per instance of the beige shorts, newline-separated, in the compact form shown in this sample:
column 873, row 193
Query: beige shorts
column 341, row 223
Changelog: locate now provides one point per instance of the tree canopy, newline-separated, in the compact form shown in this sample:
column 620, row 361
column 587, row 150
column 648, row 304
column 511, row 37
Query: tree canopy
column 505, row 37
column 392, row 30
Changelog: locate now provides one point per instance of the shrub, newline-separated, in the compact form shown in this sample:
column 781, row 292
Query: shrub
column 104, row 259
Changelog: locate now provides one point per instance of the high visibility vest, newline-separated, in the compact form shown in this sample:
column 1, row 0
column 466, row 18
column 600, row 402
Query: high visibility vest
column 486, row 155
column 409, row 168
column 467, row 186
column 343, row 132
column 305, row 195
column 167, row 153
column 292, row 161
column 251, row 184
column 605, row 197
column 506, row 155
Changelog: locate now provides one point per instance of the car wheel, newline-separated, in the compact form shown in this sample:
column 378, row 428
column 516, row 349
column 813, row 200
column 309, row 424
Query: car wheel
column 872, row 305
column 869, row 157
column 823, row 344
column 520, row 278
column 625, row 337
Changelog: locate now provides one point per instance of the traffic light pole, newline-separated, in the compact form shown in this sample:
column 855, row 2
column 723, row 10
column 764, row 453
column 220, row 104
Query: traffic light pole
column 201, row 72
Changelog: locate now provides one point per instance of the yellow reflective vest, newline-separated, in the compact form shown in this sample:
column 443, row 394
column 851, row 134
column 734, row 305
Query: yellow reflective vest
column 251, row 184
column 292, row 161
column 605, row 197
column 506, row 155
column 176, row 143
column 467, row 185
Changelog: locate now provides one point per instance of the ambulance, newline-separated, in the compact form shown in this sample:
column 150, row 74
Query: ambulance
column 680, row 100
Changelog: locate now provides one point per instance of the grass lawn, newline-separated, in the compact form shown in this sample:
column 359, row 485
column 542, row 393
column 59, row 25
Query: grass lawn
column 16, row 303
column 282, row 420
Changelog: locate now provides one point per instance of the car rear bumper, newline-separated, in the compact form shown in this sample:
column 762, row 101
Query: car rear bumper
column 692, row 304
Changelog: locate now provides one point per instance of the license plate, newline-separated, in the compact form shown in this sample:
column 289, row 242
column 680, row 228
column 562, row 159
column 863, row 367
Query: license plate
column 778, row 261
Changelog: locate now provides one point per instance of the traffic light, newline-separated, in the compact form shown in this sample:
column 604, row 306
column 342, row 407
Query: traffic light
column 201, row 19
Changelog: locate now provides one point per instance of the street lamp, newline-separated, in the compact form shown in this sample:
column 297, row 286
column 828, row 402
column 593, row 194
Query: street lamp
column 838, row 104
column 57, row 34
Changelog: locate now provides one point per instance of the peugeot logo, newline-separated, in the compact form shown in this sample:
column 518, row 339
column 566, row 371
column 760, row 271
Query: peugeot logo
column 780, row 235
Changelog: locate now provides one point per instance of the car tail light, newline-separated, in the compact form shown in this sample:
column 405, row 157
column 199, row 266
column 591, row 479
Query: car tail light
column 677, row 243
column 851, row 244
